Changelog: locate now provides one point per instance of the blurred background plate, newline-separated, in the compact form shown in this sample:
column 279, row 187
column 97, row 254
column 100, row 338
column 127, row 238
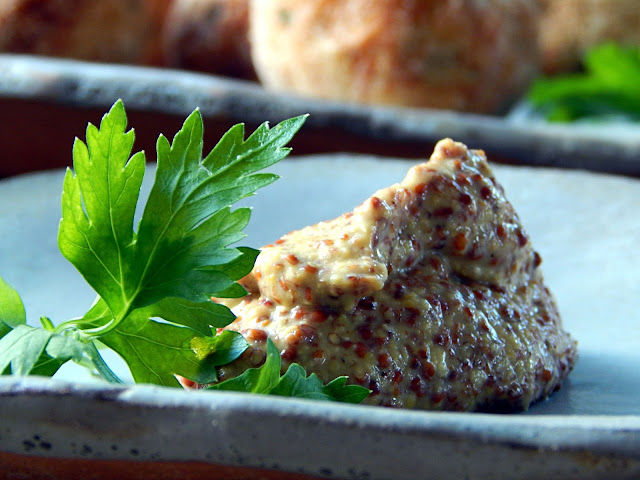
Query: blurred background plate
column 46, row 102
column 585, row 226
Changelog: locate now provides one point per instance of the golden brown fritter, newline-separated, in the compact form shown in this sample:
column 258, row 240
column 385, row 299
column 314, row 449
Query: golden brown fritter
column 570, row 27
column 210, row 36
column 468, row 55
column 105, row 30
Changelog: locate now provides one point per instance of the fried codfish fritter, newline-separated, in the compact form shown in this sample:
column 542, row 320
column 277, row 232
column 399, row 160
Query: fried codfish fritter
column 104, row 31
column 570, row 28
column 209, row 36
column 464, row 55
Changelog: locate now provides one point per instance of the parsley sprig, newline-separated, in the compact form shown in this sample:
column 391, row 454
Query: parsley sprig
column 155, row 283
column 266, row 380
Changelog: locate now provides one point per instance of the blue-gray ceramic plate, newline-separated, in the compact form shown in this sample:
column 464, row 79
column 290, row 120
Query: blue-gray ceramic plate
column 586, row 227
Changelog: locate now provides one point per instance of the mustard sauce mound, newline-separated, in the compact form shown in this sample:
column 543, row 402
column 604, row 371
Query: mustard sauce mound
column 429, row 293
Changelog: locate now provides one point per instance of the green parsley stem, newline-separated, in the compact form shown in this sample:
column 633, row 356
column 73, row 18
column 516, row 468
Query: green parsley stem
column 89, row 334
column 100, row 365
column 111, row 325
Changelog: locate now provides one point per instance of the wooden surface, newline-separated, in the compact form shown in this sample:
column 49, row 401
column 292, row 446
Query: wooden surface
column 14, row 467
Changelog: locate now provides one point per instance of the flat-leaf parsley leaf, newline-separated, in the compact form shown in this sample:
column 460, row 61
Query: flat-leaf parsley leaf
column 155, row 283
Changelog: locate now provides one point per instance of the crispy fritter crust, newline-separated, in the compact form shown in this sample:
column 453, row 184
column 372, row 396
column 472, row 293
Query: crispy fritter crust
column 467, row 55
column 570, row 27
column 105, row 30
column 210, row 36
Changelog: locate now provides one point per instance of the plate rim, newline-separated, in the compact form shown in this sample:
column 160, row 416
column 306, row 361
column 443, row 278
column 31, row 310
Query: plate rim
column 530, row 142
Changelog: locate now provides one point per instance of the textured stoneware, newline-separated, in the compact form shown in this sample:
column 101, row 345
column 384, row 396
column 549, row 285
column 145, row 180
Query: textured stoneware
column 42, row 96
column 585, row 227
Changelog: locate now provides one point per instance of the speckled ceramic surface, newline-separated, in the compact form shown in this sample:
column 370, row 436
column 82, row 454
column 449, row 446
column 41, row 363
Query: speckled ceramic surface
column 319, row 439
column 517, row 138
column 584, row 225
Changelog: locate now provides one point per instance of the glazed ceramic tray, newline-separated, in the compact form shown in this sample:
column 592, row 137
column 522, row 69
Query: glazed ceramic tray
column 584, row 225
column 50, row 101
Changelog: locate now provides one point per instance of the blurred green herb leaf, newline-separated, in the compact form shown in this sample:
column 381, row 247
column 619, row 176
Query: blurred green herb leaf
column 608, row 87
column 266, row 379
column 12, row 311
